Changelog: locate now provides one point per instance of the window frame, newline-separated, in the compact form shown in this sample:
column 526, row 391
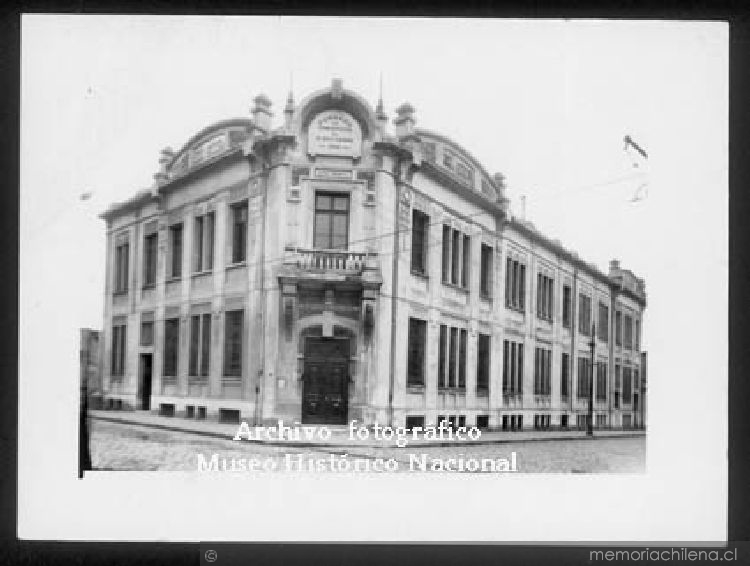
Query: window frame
column 420, row 223
column 241, row 224
column 231, row 346
column 199, row 363
column 331, row 213
column 416, row 346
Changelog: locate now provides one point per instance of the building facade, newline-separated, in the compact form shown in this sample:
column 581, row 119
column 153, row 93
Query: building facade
column 336, row 267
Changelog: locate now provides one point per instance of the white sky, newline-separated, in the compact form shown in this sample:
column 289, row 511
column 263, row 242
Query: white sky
column 545, row 102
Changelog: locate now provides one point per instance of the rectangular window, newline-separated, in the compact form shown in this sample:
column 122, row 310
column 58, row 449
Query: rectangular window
column 331, row 221
column 119, row 346
column 122, row 257
column 485, row 277
column 466, row 262
column 515, row 285
column 637, row 335
column 512, row 368
column 455, row 251
column 627, row 390
column 617, row 386
column 462, row 359
column 565, row 376
column 233, row 342
column 542, row 371
column 147, row 333
column 456, row 257
column 601, row 381
column 417, row 346
column 567, row 313
column 483, row 422
column 175, row 251
column 628, row 331
column 446, row 253
column 483, row 363
column 171, row 346
column 544, row 290
column 414, row 421
column 603, row 324
column 442, row 353
column 452, row 357
column 584, row 378
column 618, row 328
column 239, row 232
column 200, row 344
column 150, row 247
column 419, row 238
column 203, row 252
column 584, row 314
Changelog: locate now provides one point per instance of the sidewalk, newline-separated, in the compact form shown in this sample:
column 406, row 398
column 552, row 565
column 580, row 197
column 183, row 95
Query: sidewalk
column 340, row 433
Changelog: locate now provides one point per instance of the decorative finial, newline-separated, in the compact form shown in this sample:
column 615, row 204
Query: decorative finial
column 379, row 111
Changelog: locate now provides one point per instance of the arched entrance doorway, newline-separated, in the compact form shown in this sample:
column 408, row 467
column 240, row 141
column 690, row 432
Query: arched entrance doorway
column 325, row 380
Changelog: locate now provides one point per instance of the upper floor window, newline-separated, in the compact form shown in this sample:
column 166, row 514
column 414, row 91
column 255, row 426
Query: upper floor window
column 618, row 328
column 239, row 232
column 544, row 296
column 203, row 251
column 456, row 257
column 637, row 335
column 417, row 346
column 515, row 284
column 331, row 221
column 150, row 247
column 122, row 257
column 483, row 363
column 628, row 331
column 567, row 306
column 584, row 314
column 175, row 251
column 485, row 274
column 603, row 329
column 419, row 238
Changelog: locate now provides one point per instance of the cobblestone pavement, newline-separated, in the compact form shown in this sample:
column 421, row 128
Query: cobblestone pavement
column 116, row 446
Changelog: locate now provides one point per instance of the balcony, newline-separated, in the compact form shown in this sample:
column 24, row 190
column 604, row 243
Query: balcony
column 330, row 265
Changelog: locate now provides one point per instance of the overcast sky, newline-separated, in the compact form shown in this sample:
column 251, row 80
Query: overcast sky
column 547, row 103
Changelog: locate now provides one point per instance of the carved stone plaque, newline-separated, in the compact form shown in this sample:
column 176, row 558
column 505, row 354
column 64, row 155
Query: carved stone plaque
column 334, row 132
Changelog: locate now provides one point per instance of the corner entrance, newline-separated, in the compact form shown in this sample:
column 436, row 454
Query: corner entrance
column 144, row 382
column 325, row 390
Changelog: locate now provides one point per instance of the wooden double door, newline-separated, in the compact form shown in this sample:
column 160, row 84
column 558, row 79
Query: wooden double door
column 325, row 390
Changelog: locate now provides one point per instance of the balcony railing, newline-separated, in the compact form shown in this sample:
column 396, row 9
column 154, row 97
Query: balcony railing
column 329, row 260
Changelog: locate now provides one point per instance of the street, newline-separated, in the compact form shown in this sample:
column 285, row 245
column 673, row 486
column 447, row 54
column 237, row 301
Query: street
column 121, row 446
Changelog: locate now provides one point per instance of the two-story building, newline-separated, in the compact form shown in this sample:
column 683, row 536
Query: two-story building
column 331, row 268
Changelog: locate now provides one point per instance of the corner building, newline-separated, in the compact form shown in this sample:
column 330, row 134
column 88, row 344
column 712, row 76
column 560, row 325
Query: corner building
column 334, row 266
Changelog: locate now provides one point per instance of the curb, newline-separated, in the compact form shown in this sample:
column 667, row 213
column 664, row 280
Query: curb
column 298, row 444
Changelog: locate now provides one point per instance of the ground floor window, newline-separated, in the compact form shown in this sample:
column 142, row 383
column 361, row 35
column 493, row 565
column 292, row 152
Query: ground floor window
column 417, row 346
column 483, row 422
column 233, row 343
column 414, row 421
column 119, row 335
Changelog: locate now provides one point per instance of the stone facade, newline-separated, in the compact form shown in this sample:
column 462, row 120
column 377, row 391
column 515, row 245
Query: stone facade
column 330, row 268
